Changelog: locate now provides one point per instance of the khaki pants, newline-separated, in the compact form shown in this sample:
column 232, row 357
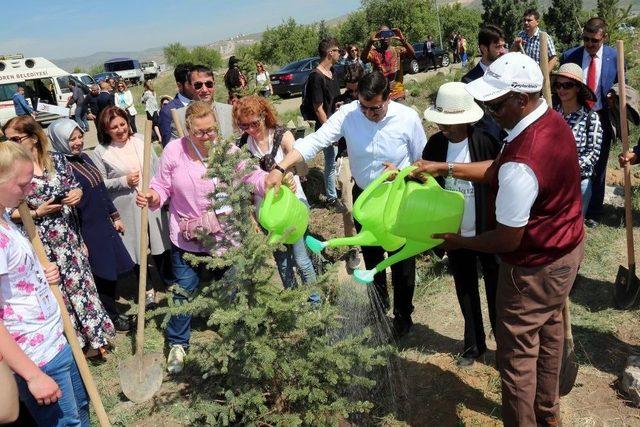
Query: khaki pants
column 530, row 336
column 345, row 185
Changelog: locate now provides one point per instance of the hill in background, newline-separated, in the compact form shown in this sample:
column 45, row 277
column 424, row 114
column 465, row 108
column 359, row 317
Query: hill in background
column 228, row 46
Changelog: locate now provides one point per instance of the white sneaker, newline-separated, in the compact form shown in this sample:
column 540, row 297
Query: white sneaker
column 175, row 361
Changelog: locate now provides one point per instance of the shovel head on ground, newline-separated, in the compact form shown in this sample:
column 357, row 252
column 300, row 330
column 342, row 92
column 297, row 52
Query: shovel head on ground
column 568, row 368
column 626, row 288
column 141, row 376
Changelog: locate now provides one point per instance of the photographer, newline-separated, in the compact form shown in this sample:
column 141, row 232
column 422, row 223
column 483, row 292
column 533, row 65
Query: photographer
column 388, row 59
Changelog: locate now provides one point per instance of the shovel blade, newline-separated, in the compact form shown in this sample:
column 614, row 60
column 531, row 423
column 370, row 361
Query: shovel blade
column 141, row 376
column 568, row 368
column 626, row 289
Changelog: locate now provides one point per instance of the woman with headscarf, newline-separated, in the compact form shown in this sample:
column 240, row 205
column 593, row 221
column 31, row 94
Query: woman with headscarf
column 99, row 219
column 52, row 204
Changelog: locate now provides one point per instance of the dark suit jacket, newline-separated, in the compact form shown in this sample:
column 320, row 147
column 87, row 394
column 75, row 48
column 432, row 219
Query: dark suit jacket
column 482, row 146
column 486, row 123
column 103, row 101
column 475, row 73
column 165, row 120
column 608, row 75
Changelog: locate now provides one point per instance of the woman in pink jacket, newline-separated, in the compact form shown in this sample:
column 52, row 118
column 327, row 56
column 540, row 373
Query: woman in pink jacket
column 181, row 182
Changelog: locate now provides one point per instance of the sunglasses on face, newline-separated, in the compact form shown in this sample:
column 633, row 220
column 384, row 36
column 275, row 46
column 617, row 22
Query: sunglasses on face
column 373, row 109
column 251, row 125
column 206, row 132
column 18, row 139
column 494, row 107
column 586, row 39
column 565, row 85
column 198, row 85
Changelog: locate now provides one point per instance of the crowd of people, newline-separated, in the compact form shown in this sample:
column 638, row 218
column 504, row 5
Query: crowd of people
column 523, row 217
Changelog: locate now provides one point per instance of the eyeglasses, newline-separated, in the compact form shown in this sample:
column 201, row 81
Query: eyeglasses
column 251, row 125
column 591, row 40
column 207, row 132
column 565, row 85
column 18, row 139
column 198, row 85
column 494, row 107
column 373, row 109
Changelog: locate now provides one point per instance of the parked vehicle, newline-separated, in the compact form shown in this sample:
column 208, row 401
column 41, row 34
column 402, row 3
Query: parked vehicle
column 290, row 79
column 128, row 69
column 84, row 78
column 44, row 82
column 419, row 62
column 106, row 75
column 150, row 69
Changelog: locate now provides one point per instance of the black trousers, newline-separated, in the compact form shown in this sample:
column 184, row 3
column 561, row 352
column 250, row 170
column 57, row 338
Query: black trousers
column 598, row 179
column 463, row 264
column 107, row 294
column 403, row 275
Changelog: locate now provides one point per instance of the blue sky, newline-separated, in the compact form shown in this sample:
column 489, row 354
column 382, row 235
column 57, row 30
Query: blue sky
column 70, row 28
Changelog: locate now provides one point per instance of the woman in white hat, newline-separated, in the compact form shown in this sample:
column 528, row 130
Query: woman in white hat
column 575, row 101
column 459, row 141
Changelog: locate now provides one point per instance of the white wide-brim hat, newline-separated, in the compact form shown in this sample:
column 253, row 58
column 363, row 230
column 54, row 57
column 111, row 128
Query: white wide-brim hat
column 454, row 106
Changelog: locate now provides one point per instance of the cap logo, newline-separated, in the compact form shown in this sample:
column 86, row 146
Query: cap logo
column 491, row 73
column 524, row 85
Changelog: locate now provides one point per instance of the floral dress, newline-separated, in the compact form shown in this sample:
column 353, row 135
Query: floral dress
column 64, row 247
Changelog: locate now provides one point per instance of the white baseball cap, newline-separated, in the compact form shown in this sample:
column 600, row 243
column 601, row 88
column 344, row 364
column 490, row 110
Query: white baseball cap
column 512, row 72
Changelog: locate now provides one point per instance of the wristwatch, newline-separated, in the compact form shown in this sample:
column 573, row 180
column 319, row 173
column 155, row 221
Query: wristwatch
column 279, row 168
column 449, row 169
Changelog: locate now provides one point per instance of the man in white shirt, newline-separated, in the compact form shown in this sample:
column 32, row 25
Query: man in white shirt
column 379, row 133
column 538, row 236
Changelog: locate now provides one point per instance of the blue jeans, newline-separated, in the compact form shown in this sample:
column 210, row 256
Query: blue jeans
column 187, row 281
column 297, row 253
column 585, row 188
column 81, row 118
column 72, row 409
column 330, row 171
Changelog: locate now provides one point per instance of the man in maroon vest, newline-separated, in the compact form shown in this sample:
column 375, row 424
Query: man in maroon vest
column 538, row 237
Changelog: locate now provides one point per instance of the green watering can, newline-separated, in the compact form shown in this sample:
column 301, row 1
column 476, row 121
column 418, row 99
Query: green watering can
column 369, row 210
column 284, row 216
column 415, row 211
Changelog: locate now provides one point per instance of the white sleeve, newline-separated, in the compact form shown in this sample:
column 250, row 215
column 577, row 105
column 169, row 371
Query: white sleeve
column 518, row 189
column 418, row 140
column 330, row 131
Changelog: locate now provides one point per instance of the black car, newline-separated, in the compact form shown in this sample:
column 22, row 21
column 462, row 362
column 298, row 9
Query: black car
column 419, row 62
column 290, row 79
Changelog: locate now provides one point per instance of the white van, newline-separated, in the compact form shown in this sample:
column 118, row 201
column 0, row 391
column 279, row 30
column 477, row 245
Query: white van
column 84, row 78
column 127, row 68
column 43, row 82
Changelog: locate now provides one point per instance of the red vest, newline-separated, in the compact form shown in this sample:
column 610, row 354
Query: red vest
column 555, row 224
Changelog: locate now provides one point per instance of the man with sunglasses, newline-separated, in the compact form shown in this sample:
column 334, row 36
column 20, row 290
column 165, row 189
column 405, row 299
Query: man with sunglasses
column 379, row 133
column 201, row 86
column 538, row 236
column 600, row 70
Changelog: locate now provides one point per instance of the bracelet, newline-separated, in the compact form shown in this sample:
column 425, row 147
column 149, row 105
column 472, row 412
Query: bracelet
column 449, row 169
column 279, row 168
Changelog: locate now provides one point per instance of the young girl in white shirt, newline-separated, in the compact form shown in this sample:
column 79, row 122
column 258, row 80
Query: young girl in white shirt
column 31, row 335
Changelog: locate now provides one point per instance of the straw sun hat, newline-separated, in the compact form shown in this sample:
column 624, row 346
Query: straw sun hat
column 454, row 106
column 574, row 72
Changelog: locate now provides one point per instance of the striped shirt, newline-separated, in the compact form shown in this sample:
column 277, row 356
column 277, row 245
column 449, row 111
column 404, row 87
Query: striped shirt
column 587, row 131
column 531, row 45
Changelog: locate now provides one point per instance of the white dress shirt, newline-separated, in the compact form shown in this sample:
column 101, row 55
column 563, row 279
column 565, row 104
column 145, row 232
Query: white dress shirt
column 398, row 138
column 586, row 60
column 517, row 183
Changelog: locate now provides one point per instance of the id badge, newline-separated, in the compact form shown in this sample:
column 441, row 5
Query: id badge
column 46, row 300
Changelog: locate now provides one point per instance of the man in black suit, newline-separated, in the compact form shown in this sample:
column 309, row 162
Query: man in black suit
column 491, row 42
column 182, row 99
column 105, row 98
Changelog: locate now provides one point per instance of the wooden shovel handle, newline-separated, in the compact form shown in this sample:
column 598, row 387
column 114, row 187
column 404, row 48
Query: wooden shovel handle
column 69, row 332
column 624, row 135
column 144, row 237
column 566, row 317
column 176, row 122
column 544, row 67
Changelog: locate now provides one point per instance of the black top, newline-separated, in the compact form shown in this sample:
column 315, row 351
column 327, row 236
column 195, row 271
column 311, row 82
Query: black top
column 345, row 99
column 482, row 146
column 323, row 90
